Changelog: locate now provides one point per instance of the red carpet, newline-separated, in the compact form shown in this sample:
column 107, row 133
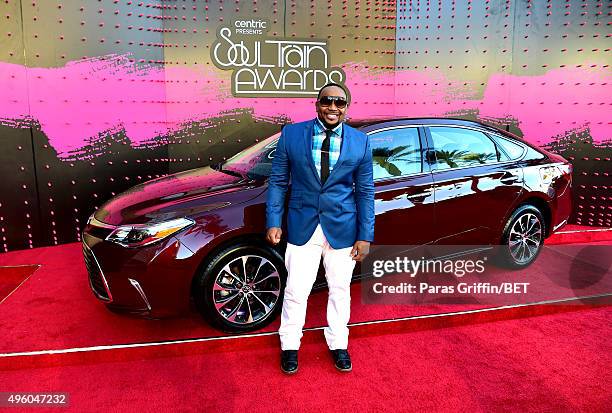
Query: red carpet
column 536, row 358
column 553, row 362
column 12, row 277
column 571, row 234
column 65, row 313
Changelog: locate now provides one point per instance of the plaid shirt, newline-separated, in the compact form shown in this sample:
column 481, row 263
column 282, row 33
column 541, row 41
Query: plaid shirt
column 334, row 145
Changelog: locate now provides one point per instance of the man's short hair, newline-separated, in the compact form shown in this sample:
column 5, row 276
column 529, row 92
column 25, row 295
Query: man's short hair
column 330, row 84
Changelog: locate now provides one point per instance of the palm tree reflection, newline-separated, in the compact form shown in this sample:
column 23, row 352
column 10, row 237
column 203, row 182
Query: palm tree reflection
column 456, row 158
column 397, row 161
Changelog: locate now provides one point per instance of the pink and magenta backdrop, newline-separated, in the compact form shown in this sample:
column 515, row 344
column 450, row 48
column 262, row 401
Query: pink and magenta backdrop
column 97, row 98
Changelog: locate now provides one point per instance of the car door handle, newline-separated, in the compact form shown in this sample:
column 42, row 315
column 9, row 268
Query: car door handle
column 425, row 193
column 508, row 178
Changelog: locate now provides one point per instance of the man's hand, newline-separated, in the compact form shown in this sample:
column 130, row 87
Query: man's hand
column 360, row 250
column 273, row 236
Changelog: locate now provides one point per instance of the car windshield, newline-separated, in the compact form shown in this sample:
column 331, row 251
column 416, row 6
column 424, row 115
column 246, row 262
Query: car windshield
column 255, row 162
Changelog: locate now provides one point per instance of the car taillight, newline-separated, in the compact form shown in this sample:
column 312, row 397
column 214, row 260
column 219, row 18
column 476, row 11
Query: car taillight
column 550, row 173
column 566, row 168
column 547, row 174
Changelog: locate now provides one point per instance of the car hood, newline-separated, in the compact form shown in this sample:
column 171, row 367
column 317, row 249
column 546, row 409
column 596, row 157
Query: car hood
column 182, row 194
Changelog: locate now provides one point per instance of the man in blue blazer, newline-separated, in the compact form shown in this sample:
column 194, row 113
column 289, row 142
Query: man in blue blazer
column 330, row 215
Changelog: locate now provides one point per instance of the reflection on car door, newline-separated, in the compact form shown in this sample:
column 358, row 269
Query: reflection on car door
column 475, row 185
column 403, row 187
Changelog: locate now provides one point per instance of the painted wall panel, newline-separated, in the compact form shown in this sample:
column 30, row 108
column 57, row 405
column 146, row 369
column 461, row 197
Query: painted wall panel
column 100, row 95
column 19, row 208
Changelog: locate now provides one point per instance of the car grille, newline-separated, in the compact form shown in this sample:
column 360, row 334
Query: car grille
column 96, row 278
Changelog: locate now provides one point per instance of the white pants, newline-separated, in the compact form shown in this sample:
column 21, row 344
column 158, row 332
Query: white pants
column 302, row 263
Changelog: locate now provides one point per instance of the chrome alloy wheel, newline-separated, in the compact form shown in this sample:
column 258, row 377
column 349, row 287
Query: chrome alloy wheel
column 525, row 238
column 247, row 289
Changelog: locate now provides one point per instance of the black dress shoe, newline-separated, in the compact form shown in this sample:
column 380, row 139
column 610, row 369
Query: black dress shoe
column 342, row 360
column 289, row 361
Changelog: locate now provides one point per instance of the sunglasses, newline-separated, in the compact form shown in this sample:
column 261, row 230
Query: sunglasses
column 328, row 100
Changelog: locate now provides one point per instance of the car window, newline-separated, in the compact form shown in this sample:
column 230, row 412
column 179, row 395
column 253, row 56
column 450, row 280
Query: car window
column 513, row 150
column 459, row 147
column 395, row 152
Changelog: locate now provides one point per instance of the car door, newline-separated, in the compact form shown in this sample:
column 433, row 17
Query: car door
column 475, row 185
column 404, row 198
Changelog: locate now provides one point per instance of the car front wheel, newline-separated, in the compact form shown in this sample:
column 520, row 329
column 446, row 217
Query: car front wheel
column 241, row 288
column 523, row 237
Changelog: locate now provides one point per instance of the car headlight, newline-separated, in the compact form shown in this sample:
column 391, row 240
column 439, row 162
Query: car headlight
column 144, row 234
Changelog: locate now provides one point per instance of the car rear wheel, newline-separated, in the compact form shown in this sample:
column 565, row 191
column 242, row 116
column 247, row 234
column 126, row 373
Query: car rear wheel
column 241, row 288
column 523, row 237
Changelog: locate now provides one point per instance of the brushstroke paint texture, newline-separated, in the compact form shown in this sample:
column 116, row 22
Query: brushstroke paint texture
column 86, row 98
column 550, row 105
column 14, row 110
column 76, row 103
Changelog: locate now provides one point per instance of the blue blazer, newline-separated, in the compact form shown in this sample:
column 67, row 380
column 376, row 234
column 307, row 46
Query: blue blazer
column 344, row 205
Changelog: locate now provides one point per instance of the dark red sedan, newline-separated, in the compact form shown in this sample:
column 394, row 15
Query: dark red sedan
column 199, row 234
